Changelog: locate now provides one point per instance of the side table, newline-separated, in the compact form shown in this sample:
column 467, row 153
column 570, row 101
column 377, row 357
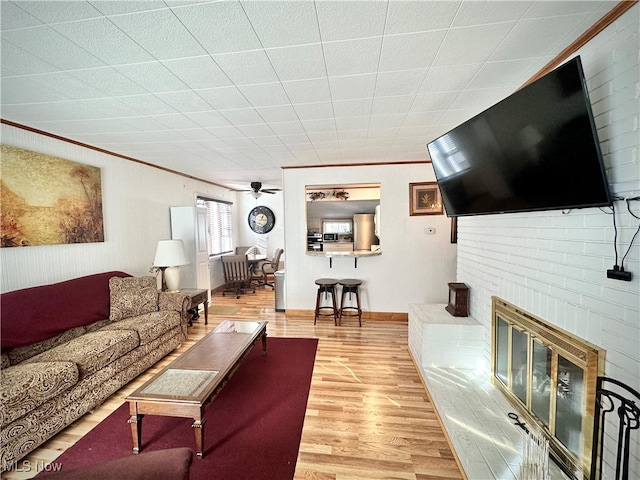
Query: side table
column 196, row 297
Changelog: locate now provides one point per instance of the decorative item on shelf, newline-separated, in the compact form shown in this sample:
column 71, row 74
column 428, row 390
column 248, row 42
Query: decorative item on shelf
column 316, row 196
column 341, row 195
column 458, row 300
column 170, row 254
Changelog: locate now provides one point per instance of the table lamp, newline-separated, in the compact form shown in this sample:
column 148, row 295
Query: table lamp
column 170, row 254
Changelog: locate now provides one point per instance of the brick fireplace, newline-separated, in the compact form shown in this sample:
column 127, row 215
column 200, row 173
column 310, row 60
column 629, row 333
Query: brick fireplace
column 549, row 376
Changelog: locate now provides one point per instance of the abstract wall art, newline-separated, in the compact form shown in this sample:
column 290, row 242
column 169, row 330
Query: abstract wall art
column 46, row 200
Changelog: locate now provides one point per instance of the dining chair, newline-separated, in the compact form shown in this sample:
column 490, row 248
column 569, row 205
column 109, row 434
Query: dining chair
column 237, row 276
column 270, row 267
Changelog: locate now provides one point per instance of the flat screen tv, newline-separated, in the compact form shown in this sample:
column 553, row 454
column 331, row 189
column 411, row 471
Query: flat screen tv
column 535, row 150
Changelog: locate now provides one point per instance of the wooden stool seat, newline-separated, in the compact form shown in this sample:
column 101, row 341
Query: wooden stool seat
column 326, row 286
column 350, row 286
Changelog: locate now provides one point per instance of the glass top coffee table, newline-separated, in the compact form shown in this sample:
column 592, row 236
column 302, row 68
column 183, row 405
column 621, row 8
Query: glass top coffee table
column 186, row 386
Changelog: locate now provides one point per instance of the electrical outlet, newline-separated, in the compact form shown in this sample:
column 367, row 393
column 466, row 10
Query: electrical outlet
column 429, row 230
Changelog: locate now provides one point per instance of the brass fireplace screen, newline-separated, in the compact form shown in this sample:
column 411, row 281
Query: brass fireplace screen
column 549, row 375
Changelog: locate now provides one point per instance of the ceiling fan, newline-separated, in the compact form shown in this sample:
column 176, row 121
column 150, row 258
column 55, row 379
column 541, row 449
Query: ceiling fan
column 257, row 190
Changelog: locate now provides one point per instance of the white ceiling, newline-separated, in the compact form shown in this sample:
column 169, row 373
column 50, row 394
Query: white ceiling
column 231, row 91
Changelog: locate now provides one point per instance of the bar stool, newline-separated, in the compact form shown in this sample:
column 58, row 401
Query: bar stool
column 326, row 286
column 350, row 286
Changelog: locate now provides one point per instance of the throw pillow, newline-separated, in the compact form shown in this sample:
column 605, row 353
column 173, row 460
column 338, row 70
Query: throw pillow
column 132, row 296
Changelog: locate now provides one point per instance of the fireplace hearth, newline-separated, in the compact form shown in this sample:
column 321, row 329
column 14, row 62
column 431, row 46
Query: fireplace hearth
column 549, row 376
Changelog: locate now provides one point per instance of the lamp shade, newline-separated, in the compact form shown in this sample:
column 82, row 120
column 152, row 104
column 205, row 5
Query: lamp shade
column 170, row 253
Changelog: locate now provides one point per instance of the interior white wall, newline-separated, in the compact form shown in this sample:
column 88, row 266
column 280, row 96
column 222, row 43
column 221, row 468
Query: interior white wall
column 414, row 267
column 553, row 264
column 136, row 200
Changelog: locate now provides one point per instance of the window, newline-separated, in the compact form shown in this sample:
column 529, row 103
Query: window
column 337, row 225
column 219, row 226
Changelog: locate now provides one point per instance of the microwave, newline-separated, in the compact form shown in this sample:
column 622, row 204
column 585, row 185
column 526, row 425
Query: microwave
column 330, row 237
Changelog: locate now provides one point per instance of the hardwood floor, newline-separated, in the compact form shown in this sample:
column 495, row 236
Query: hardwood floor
column 368, row 415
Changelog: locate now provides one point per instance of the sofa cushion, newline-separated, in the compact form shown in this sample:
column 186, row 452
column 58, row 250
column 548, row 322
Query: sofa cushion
column 20, row 354
column 92, row 351
column 132, row 296
column 27, row 386
column 35, row 314
column 149, row 326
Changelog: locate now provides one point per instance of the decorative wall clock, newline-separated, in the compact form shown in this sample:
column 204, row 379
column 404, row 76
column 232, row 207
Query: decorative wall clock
column 261, row 219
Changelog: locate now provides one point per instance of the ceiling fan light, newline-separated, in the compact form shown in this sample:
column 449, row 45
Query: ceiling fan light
column 256, row 195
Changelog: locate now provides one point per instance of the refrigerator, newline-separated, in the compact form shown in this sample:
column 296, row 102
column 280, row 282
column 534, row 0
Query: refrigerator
column 363, row 231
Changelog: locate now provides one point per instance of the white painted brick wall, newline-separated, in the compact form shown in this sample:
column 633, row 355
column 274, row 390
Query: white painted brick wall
column 553, row 264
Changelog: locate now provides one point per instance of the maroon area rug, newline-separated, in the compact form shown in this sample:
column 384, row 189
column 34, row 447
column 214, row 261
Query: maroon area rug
column 253, row 427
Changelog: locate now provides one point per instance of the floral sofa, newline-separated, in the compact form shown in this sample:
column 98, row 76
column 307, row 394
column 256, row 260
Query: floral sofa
column 68, row 346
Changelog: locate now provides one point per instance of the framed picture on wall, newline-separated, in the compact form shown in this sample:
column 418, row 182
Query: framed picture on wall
column 424, row 199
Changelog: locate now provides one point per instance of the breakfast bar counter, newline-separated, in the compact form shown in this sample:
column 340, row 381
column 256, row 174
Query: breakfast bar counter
column 355, row 254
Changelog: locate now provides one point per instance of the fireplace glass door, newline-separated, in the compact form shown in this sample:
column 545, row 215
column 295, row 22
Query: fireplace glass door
column 548, row 375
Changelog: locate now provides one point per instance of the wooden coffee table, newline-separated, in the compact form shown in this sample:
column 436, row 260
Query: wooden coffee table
column 186, row 386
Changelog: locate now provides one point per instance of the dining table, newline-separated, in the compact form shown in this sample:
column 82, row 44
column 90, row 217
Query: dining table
column 254, row 259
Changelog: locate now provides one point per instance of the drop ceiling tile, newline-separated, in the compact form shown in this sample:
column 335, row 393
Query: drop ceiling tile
column 152, row 76
column 344, row 124
column 264, row 94
column 308, row 91
column 399, row 83
column 243, row 68
column 223, row 98
column 535, row 37
column 279, row 24
column 258, row 130
column 17, row 90
column 220, row 27
column 160, row 33
column 390, row 121
column 104, row 40
column 269, row 143
column 198, row 72
column 109, row 7
column 70, row 86
column 288, row 128
column 147, row 104
column 399, row 104
column 185, row 101
column 208, row 119
column 342, row 20
column 430, row 102
column 326, row 136
column 177, row 121
column 352, row 57
column 350, row 108
column 280, row 113
column 410, row 51
column 109, row 81
column 242, row 116
column 314, row 111
column 59, row 11
column 484, row 13
column 16, row 61
column 50, row 46
column 319, row 125
column 559, row 8
column 196, row 134
column 505, row 73
column 418, row 16
column 298, row 62
column 354, row 86
column 450, row 78
column 485, row 39
column 13, row 17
